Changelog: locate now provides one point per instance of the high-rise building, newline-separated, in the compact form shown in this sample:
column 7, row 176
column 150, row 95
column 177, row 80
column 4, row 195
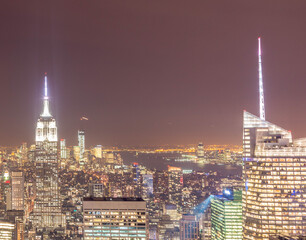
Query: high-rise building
column 115, row 218
column 63, row 149
column 147, row 186
column 175, row 182
column 226, row 216
column 47, row 207
column 274, row 172
column 97, row 151
column 17, row 190
column 76, row 153
column 200, row 153
column 81, row 140
column 136, row 178
column 189, row 227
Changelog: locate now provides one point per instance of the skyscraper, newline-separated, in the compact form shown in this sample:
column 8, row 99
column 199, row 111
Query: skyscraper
column 200, row 152
column 226, row 216
column 175, row 185
column 47, row 207
column 274, row 171
column 147, row 186
column 17, row 190
column 81, row 140
column 63, row 149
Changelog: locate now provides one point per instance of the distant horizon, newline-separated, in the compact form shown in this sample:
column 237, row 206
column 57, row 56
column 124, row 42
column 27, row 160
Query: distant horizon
column 140, row 146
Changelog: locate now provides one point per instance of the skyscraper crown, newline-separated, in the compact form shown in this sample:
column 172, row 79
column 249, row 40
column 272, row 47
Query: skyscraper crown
column 46, row 107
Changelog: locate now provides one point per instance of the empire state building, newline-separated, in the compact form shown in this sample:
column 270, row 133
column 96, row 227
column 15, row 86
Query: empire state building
column 47, row 207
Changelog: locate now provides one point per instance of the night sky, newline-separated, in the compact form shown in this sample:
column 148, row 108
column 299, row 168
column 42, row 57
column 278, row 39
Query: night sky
column 151, row 72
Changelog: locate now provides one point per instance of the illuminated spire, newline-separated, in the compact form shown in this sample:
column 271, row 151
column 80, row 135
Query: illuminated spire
column 46, row 86
column 261, row 91
column 46, row 110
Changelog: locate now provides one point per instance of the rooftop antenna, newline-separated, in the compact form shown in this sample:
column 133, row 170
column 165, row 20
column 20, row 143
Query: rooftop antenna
column 46, row 85
column 261, row 91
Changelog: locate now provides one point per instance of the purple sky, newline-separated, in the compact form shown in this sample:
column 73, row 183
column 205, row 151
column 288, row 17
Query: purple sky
column 151, row 72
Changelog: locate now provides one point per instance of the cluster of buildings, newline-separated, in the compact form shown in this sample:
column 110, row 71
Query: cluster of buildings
column 51, row 191
column 218, row 156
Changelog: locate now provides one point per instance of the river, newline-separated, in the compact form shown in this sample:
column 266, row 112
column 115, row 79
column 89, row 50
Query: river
column 160, row 161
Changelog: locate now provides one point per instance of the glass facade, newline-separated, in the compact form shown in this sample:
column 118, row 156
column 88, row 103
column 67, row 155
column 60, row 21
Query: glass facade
column 274, row 171
column 226, row 217
column 189, row 227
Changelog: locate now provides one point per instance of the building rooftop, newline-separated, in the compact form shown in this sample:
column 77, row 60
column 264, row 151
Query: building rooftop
column 112, row 199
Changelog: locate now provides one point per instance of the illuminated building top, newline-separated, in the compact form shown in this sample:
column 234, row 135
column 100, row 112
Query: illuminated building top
column 274, row 172
column 46, row 125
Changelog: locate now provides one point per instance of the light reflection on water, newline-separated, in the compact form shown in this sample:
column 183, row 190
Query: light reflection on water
column 160, row 161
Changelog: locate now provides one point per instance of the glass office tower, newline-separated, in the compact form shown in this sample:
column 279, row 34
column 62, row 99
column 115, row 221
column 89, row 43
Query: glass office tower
column 226, row 216
column 274, row 171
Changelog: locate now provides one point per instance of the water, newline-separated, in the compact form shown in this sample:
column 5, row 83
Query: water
column 160, row 161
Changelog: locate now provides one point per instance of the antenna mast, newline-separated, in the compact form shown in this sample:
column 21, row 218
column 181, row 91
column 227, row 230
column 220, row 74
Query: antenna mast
column 261, row 91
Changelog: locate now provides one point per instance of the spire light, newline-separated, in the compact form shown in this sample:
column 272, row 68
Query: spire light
column 46, row 110
column 261, row 91
column 46, row 86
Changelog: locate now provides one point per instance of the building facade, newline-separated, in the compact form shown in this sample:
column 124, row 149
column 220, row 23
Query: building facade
column 6, row 230
column 63, row 149
column 96, row 190
column 226, row 216
column 189, row 227
column 274, row 172
column 17, row 190
column 201, row 153
column 115, row 218
column 81, row 140
column 175, row 185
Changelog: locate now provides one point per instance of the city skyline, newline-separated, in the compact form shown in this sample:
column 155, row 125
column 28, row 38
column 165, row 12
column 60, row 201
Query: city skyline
column 132, row 98
column 147, row 121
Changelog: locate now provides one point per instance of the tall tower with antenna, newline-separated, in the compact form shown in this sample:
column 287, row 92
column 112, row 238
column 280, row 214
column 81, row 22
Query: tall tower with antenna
column 261, row 91
column 47, row 214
